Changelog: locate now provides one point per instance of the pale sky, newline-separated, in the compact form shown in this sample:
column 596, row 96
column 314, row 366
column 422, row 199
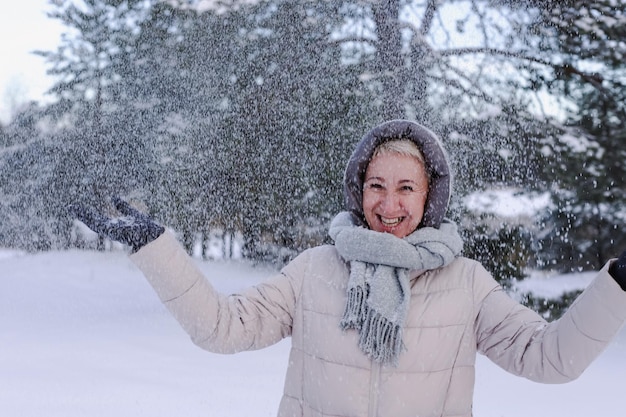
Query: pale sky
column 24, row 27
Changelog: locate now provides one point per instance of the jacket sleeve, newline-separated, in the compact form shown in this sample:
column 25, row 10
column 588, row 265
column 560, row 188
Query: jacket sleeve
column 521, row 342
column 260, row 316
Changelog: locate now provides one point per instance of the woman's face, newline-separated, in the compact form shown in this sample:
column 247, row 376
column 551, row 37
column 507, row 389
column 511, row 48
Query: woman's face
column 394, row 193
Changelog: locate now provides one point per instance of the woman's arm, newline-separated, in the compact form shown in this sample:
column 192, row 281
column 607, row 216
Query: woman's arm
column 521, row 342
column 260, row 316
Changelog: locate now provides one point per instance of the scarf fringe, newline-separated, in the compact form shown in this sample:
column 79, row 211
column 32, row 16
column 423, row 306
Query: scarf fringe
column 355, row 311
column 379, row 338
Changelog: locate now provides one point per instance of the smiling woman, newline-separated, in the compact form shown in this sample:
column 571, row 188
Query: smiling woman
column 387, row 320
column 394, row 192
column 24, row 28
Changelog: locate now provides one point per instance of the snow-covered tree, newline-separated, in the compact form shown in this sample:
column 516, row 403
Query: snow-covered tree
column 241, row 118
column 586, row 159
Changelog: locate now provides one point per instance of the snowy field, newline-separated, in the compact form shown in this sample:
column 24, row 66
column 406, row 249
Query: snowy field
column 83, row 334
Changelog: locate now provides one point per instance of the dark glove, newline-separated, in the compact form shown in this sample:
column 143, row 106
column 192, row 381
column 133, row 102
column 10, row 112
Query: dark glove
column 135, row 228
column 618, row 270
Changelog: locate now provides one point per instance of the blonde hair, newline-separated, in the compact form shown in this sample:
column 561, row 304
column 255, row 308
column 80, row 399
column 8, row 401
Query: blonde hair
column 402, row 147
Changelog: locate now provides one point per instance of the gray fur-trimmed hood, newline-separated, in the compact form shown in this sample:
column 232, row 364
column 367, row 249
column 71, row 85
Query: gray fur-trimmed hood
column 437, row 166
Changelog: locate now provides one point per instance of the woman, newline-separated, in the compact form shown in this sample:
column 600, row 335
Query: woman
column 387, row 321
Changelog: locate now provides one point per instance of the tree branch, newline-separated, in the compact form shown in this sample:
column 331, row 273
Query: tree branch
column 429, row 15
column 560, row 69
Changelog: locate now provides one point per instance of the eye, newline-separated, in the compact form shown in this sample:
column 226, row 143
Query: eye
column 374, row 186
column 410, row 187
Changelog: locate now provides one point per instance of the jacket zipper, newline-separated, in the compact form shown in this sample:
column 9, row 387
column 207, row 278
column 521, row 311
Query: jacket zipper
column 374, row 387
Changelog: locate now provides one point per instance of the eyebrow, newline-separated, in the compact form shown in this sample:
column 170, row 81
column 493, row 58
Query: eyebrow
column 381, row 179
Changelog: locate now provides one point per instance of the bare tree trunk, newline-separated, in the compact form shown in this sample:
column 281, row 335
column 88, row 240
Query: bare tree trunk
column 188, row 241
column 227, row 249
column 389, row 61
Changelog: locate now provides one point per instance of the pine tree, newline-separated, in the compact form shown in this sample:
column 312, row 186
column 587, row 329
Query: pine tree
column 296, row 112
column 586, row 160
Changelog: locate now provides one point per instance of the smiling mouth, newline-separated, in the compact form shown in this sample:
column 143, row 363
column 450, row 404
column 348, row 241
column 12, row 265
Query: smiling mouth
column 390, row 222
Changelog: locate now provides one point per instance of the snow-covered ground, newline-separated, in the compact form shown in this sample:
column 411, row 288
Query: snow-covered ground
column 83, row 334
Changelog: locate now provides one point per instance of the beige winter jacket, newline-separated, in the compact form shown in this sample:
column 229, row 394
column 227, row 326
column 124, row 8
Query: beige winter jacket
column 455, row 312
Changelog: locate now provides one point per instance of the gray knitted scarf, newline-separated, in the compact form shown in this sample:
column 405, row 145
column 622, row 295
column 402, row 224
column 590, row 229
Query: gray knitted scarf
column 378, row 287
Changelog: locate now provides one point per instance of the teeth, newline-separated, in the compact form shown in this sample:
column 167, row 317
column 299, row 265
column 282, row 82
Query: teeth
column 390, row 222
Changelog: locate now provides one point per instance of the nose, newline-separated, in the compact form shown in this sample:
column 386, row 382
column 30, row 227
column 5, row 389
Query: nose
column 390, row 202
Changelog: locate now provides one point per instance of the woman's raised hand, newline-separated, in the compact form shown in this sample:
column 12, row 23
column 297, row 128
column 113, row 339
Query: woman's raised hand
column 133, row 228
